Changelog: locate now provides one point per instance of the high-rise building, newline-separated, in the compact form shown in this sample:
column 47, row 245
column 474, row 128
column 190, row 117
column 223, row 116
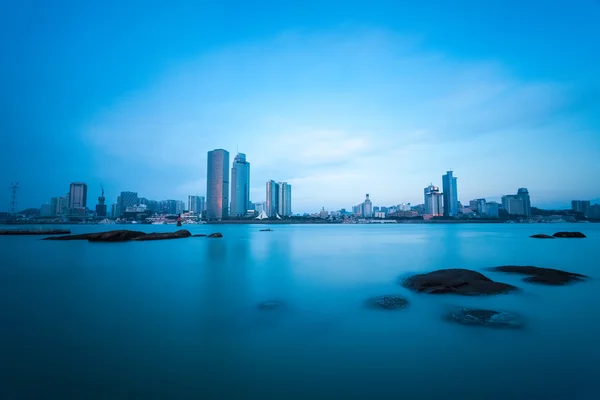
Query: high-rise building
column 54, row 211
column 594, row 211
column 179, row 207
column 490, row 209
column 272, row 198
column 195, row 204
column 477, row 205
column 46, row 210
column 367, row 207
column 240, row 186
column 433, row 201
column 114, row 210
column 513, row 204
column 168, row 207
column 128, row 199
column 217, row 184
column 101, row 206
column 450, row 195
column 580, row 206
column 523, row 193
column 77, row 197
column 284, row 204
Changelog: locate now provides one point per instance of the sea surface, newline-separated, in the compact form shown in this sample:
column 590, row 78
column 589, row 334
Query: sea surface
column 179, row 319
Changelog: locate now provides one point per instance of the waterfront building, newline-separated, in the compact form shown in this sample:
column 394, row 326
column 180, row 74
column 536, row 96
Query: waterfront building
column 179, row 207
column 46, row 210
column 434, row 204
column 323, row 214
column 523, row 194
column 594, row 211
column 127, row 199
column 240, row 186
column 77, row 197
column 272, row 205
column 365, row 209
column 490, row 209
column 450, row 195
column 101, row 206
column 260, row 207
column 513, row 204
column 284, row 203
column 478, row 206
column 581, row 206
column 54, row 211
column 217, row 184
column 168, row 207
column 114, row 210
column 195, row 204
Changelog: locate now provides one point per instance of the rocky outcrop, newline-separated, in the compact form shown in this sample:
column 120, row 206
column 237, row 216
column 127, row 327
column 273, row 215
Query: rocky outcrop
column 456, row 281
column 487, row 318
column 123, row 235
column 180, row 234
column 546, row 276
column 542, row 236
column 35, row 232
column 569, row 235
column 215, row 235
column 270, row 305
column 387, row 302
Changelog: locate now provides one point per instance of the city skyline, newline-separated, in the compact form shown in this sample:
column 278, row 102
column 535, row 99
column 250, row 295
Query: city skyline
column 337, row 104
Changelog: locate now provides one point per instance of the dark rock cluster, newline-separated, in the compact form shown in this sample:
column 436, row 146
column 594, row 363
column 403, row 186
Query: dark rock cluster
column 456, row 281
column 547, row 276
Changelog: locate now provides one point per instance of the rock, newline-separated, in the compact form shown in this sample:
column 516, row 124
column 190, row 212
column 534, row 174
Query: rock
column 83, row 236
column 542, row 236
column 35, row 232
column 388, row 302
column 199, row 235
column 547, row 276
column 115, row 236
column 456, row 281
column 180, row 234
column 270, row 305
column 569, row 235
column 215, row 235
column 488, row 318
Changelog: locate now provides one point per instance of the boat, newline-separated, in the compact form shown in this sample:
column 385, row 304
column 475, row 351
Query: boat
column 266, row 230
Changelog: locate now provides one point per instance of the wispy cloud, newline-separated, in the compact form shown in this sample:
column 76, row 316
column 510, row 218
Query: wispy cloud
column 335, row 114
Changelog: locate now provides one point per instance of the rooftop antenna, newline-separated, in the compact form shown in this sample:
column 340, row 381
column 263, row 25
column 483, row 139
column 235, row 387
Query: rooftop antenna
column 13, row 196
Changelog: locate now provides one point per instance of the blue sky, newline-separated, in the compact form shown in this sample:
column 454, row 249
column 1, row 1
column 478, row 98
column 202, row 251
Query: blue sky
column 337, row 98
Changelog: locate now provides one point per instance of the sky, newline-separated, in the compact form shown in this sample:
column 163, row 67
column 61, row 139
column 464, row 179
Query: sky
column 338, row 98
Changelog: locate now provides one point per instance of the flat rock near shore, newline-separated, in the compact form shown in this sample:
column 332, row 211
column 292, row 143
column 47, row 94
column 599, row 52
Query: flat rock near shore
column 35, row 232
column 546, row 276
column 456, row 281
column 123, row 235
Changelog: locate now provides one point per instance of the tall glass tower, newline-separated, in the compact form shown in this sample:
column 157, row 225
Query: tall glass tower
column 523, row 194
column 285, row 199
column 217, row 184
column 450, row 195
column 240, row 186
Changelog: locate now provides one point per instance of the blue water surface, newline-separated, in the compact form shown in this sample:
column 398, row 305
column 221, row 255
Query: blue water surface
column 179, row 319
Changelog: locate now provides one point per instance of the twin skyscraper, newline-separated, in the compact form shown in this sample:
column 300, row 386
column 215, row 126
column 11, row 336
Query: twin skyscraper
column 219, row 205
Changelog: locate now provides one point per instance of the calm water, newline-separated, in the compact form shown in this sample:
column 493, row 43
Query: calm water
column 179, row 319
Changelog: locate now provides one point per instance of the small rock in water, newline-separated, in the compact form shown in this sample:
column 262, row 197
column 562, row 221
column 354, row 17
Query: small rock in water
column 488, row 318
column 215, row 235
column 388, row 302
column 456, row 281
column 547, row 276
column 542, row 236
column 270, row 305
column 569, row 235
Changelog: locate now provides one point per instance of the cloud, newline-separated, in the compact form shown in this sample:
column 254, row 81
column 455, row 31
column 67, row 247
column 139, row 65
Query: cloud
column 338, row 114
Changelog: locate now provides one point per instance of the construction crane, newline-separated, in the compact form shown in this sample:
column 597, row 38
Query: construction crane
column 13, row 196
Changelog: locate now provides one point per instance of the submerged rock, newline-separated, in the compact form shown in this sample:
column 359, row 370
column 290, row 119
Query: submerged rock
column 35, row 232
column 456, row 281
column 215, row 235
column 481, row 317
column 180, row 234
column 542, row 236
column 270, row 305
column 388, row 302
column 547, row 276
column 569, row 235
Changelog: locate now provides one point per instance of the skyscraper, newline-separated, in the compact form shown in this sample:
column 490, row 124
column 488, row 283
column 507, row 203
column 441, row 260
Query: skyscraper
column 367, row 207
column 240, row 186
column 128, row 199
column 54, row 206
column 101, row 206
column 77, row 195
column 450, row 195
column 217, row 184
column 523, row 193
column 272, row 198
column 580, row 206
column 513, row 204
column 195, row 204
column 284, row 205
column 433, row 201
